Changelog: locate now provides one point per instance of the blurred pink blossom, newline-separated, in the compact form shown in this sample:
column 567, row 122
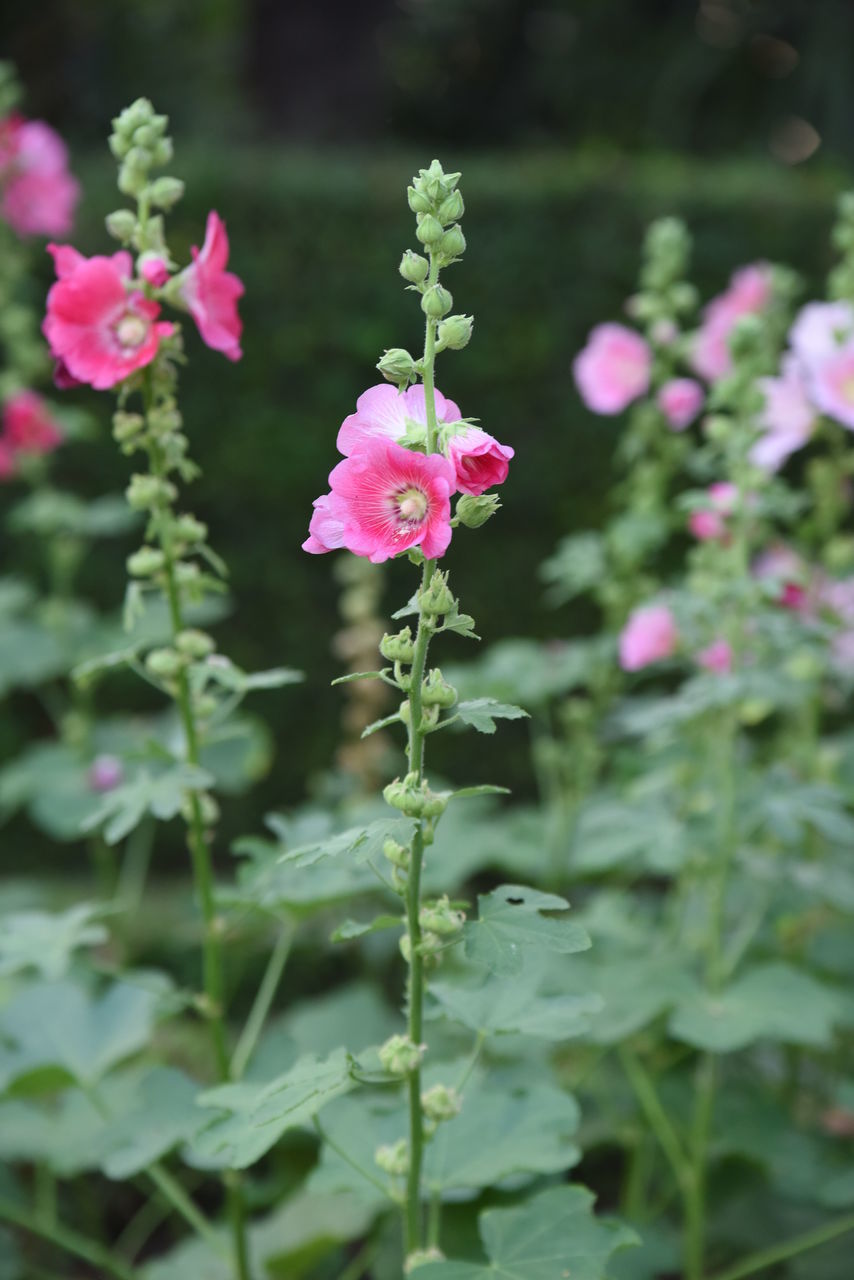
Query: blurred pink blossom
column 37, row 193
column 787, row 418
column 613, row 369
column 680, row 400
column 649, row 635
column 716, row 657
column 709, row 524
column 748, row 293
column 28, row 425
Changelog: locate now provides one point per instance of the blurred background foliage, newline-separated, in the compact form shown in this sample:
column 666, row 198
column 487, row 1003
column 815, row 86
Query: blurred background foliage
column 574, row 121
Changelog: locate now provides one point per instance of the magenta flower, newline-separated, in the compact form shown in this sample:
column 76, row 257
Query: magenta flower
column 210, row 292
column 748, row 293
column 101, row 331
column 680, row 400
column 479, row 461
column 709, row 524
column 832, row 385
column 383, row 411
column 613, row 369
column 716, row 657
column 649, row 635
column 787, row 419
column 28, row 425
column 385, row 499
column 38, row 192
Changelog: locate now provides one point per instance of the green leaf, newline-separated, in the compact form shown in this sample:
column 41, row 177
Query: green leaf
column 48, row 512
column 161, row 1114
column 361, row 843
column 610, row 832
column 256, row 1115
column 552, row 1235
column 351, row 929
column 769, row 1002
column 361, row 675
column 47, row 940
column 161, row 795
column 579, row 564
column 510, row 919
column 485, row 789
column 495, row 1005
column 225, row 673
column 481, row 713
column 371, row 729
column 461, row 623
column 531, row 672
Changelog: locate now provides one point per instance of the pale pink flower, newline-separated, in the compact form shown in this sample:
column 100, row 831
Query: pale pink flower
column 100, row 330
column 709, row 524
column 38, row 193
column 832, row 384
column 210, row 292
column 479, row 461
column 819, row 330
column 384, row 411
column 106, row 773
column 716, row 657
column 613, row 369
column 28, row 425
column 383, row 500
column 680, row 400
column 649, row 635
column 787, row 418
column 748, row 292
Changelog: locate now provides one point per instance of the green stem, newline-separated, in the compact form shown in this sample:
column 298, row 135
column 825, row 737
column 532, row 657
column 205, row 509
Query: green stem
column 261, row 1006
column 79, row 1246
column 358, row 1168
column 657, row 1118
column 764, row 1258
column 175, row 1194
column 434, row 1220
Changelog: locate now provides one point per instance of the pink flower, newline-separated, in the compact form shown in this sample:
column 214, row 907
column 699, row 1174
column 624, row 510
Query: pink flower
column 7, row 461
column 38, row 192
column 709, row 523
column 716, row 657
column 211, row 292
column 28, row 425
column 680, row 400
column 784, row 569
column 479, row 461
column 383, row 411
column 383, row 500
column 787, row 418
column 649, row 635
column 153, row 270
column 106, row 773
column 99, row 330
column 613, row 369
column 749, row 292
column 832, row 384
column 819, row 330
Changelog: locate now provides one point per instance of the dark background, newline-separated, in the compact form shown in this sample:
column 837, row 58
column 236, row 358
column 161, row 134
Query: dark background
column 574, row 123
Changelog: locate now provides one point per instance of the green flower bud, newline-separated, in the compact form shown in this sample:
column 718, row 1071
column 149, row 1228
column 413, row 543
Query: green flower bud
column 145, row 492
column 126, row 425
column 393, row 1158
column 204, row 705
column 397, row 854
column 418, row 202
column 441, row 1103
column 163, row 152
column 397, row 365
column 451, row 209
column 165, row 664
column 429, row 230
column 399, row 1056
column 414, row 798
column 210, row 816
column 454, row 332
column 145, row 562
column 405, row 712
column 121, row 224
column 189, row 529
column 421, row 1257
column 413, row 267
column 437, row 598
column 399, row 647
column 165, row 192
column 146, row 136
column 194, row 643
column 474, row 511
column 440, row 917
column 436, row 692
column 430, row 947
column 453, row 244
column 436, row 302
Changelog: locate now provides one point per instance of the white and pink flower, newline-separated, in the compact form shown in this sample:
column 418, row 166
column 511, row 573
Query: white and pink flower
column 384, row 411
column 787, row 418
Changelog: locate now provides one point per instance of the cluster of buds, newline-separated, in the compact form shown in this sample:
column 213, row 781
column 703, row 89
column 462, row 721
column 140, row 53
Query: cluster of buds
column 436, row 599
column 440, row 1103
column 665, row 296
column 140, row 143
column 412, row 796
column 393, row 1158
column 399, row 1056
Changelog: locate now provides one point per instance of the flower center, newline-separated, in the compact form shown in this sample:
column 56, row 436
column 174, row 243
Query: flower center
column 131, row 331
column 411, row 505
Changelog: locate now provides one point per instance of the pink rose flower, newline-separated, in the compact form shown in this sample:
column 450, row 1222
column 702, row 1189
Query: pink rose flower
column 613, row 369
column 832, row 385
column 680, row 400
column 38, row 193
column 787, row 418
column 383, row 411
column 819, row 330
column 97, row 328
column 748, row 293
column 709, row 523
column 28, row 425
column 716, row 657
column 383, row 500
column 479, row 461
column 210, row 292
column 649, row 635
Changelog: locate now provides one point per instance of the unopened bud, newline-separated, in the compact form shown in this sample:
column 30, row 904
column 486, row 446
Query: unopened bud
column 194, row 643
column 451, row 209
column 429, row 230
column 441, row 1103
column 454, row 332
column 126, row 425
column 436, row 692
column 165, row 664
column 436, row 302
column 145, row 562
column 440, row 917
column 399, row 647
column 453, row 244
column 418, row 202
column 393, row 1158
column 165, row 192
column 397, row 365
column 413, row 267
column 436, row 598
column 474, row 511
column 397, row 854
column 400, row 1056
column 189, row 529
column 145, row 492
column 121, row 224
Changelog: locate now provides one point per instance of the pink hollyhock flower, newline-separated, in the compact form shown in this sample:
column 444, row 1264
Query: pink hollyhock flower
column 709, row 523
column 99, row 330
column 613, row 369
column 787, row 418
column 153, row 270
column 106, row 773
column 680, row 400
column 383, row 500
column 716, row 657
column 479, row 461
column 7, row 461
column 210, row 292
column 819, row 330
column 832, row 385
column 383, row 411
column 785, row 570
column 748, row 293
column 38, row 193
column 28, row 425
column 649, row 635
